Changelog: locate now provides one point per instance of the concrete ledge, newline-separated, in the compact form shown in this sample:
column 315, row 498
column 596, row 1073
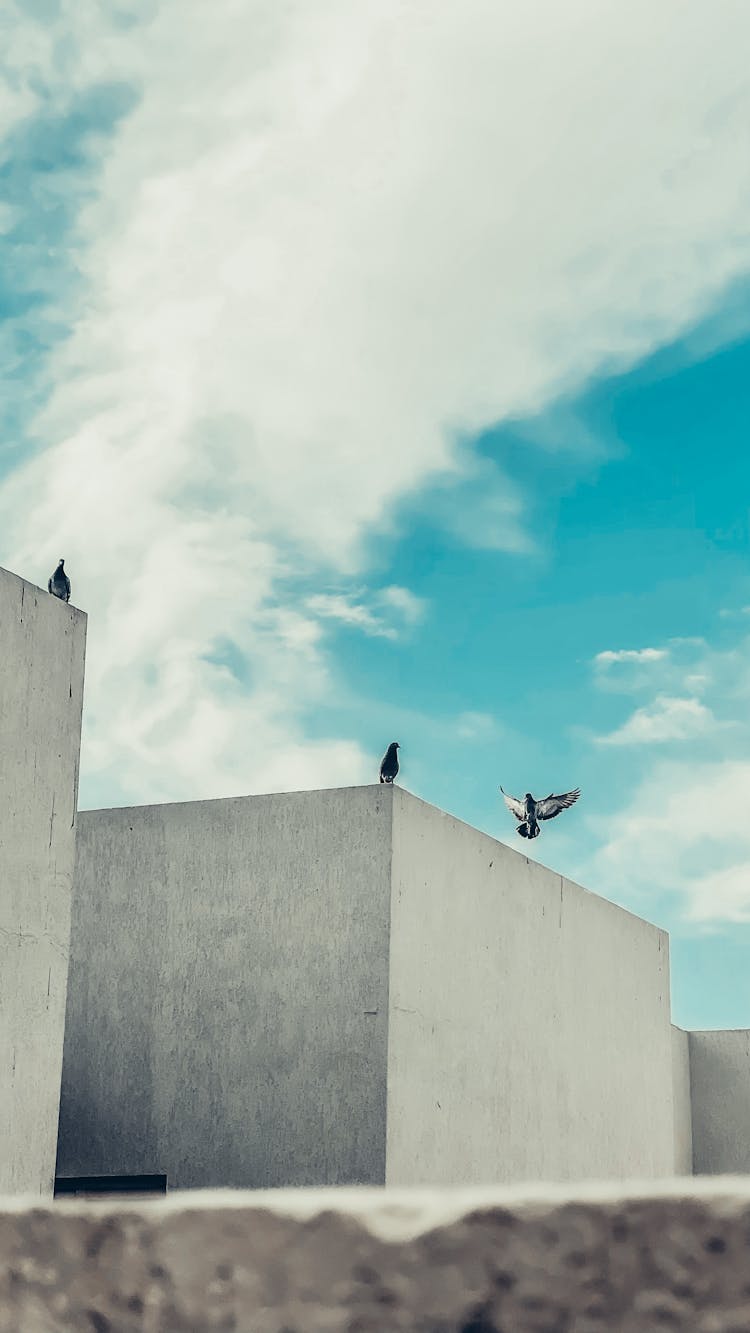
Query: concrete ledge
column 637, row 1259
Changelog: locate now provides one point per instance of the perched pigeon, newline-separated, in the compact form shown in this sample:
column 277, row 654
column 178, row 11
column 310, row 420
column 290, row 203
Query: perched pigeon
column 529, row 812
column 59, row 584
column 389, row 763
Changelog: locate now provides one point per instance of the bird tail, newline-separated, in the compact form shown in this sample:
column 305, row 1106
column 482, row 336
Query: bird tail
column 527, row 831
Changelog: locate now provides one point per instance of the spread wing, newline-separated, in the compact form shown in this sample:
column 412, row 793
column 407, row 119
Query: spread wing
column 552, row 805
column 515, row 806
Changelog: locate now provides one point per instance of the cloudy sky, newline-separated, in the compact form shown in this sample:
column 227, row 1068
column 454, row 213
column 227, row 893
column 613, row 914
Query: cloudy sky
column 381, row 371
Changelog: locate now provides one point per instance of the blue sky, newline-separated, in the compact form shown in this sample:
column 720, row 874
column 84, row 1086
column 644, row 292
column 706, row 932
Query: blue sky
column 642, row 543
column 361, row 412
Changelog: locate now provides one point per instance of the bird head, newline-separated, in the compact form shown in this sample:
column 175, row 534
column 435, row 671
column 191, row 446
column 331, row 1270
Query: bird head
column 528, row 797
column 62, row 561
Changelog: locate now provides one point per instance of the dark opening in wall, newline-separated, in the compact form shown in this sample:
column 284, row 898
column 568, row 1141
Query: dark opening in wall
column 96, row 1187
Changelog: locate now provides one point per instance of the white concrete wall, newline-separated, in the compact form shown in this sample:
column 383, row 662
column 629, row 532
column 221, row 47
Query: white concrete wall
column 683, row 1118
column 259, row 987
column 530, row 1036
column 720, row 1092
column 227, row 1013
column 41, row 695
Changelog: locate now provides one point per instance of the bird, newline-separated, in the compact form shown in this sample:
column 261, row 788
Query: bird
column 529, row 812
column 389, row 763
column 59, row 583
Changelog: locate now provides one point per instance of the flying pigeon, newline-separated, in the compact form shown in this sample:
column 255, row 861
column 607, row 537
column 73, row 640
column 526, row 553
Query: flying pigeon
column 59, row 584
column 529, row 812
column 389, row 763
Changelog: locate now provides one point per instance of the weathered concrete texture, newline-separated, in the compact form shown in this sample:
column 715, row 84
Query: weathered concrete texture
column 683, row 1118
column 384, row 1262
column 228, row 999
column 260, row 986
column 720, row 1092
column 41, row 696
column 530, row 1034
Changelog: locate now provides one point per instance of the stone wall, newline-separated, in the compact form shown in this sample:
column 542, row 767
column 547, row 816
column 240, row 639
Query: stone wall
column 683, row 1110
column 530, row 1034
column 41, row 696
column 720, row 1094
column 350, row 986
column 228, row 1001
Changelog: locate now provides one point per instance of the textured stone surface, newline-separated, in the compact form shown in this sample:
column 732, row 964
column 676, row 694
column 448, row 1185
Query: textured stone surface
column 492, row 1261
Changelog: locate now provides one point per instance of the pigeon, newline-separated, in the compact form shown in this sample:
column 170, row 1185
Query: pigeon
column 389, row 763
column 59, row 584
column 529, row 812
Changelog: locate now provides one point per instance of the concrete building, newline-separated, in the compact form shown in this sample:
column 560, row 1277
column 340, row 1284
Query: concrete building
column 336, row 986
column 719, row 1065
column 315, row 988
column 41, row 695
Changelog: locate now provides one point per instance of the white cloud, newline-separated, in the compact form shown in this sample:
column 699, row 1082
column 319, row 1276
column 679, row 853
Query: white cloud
column 685, row 832
column 683, row 829
column 722, row 895
column 337, row 606
column 674, row 675
column 352, row 609
column 666, row 719
column 475, row 726
column 411, row 608
column 639, row 656
column 307, row 272
column 478, row 504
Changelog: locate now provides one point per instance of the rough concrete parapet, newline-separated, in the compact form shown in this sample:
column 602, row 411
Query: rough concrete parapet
column 633, row 1259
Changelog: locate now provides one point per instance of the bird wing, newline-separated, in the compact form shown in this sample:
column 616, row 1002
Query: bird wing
column 67, row 585
column 552, row 805
column 514, row 805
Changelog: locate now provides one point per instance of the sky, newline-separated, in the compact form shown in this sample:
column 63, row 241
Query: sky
column 381, row 372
